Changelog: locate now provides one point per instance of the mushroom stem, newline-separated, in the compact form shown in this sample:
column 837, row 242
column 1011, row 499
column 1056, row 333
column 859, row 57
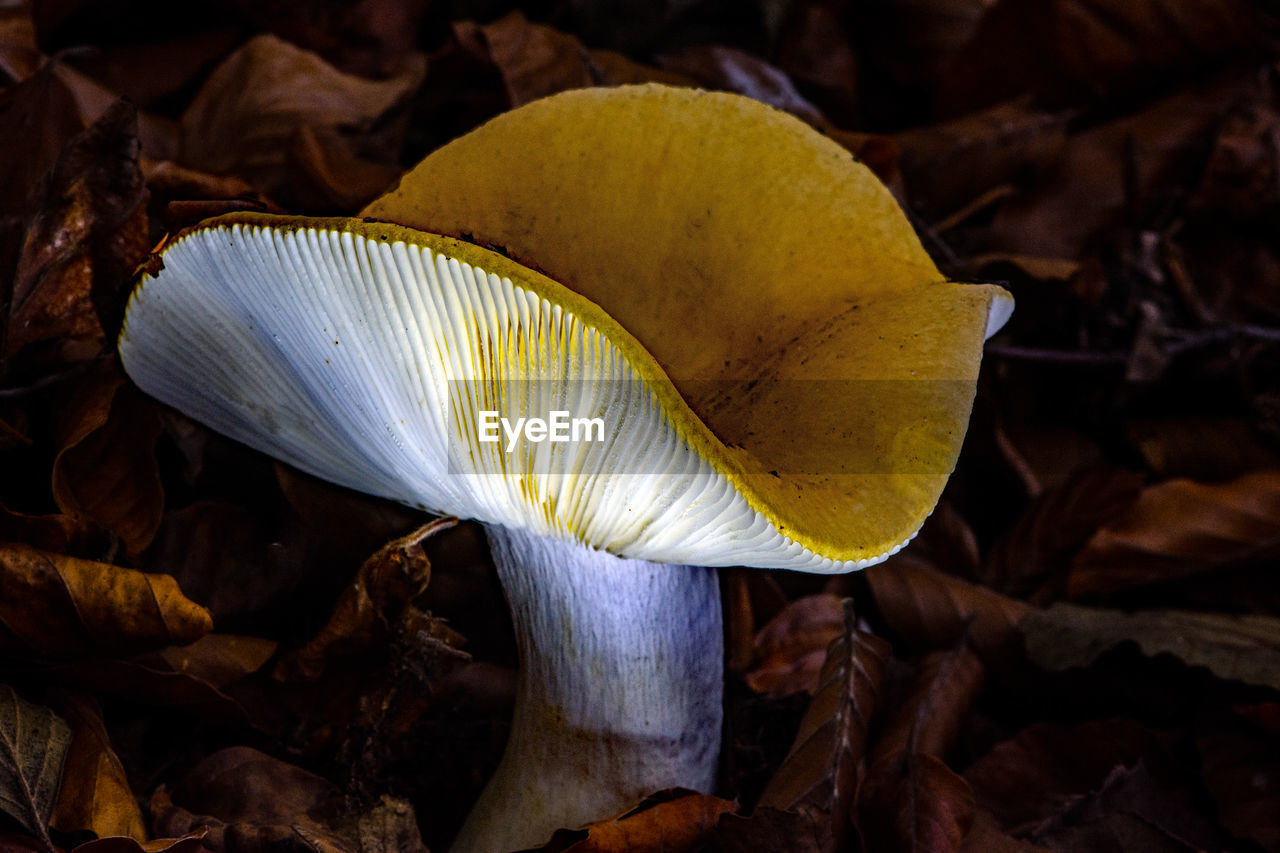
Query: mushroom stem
column 619, row 692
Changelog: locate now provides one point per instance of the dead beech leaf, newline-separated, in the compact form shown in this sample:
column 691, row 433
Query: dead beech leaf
column 372, row 38
column 1132, row 811
column 246, row 116
column 106, row 468
column 249, row 802
column 1036, row 774
column 95, row 792
column 929, row 610
column 1180, row 528
column 378, row 599
column 1082, row 49
column 819, row 776
column 200, row 678
column 909, row 799
column 1038, row 549
column 1086, row 191
column 1201, row 448
column 678, row 825
column 85, row 235
column 1240, row 647
column 914, row 803
column 729, row 70
column 536, row 60
column 790, row 649
column 949, row 165
column 61, row 533
column 985, row 836
column 929, row 719
column 33, row 747
column 58, row 606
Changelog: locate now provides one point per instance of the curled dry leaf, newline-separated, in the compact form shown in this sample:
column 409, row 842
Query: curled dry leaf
column 202, row 678
column 818, row 778
column 1082, row 49
column 62, row 533
column 790, row 649
column 1180, row 528
column 535, row 60
column 246, row 117
column 58, row 606
column 33, row 747
column 909, row 799
column 1086, row 192
column 83, row 238
column 377, row 600
column 914, row 803
column 1036, row 552
column 1244, row 648
column 929, row 610
column 249, row 802
column 1035, row 775
column 679, row 824
column 95, row 792
column 930, row 718
column 1132, row 806
column 947, row 166
column 106, row 467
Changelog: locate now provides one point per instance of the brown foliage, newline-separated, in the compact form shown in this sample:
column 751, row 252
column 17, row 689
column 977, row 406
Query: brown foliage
column 1113, row 163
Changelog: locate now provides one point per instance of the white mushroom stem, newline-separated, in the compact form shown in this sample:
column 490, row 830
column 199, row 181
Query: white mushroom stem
column 619, row 692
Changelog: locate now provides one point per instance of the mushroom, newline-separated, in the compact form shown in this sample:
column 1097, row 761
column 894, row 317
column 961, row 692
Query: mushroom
column 781, row 375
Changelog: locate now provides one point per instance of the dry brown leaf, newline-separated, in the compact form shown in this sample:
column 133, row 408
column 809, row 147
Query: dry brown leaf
column 930, row 610
column 57, row 606
column 1085, row 193
column 1244, row 648
column 1201, row 448
column 820, row 775
column 250, row 802
column 61, row 533
column 726, row 69
column 38, row 119
column 947, row 166
column 200, row 678
column 373, row 605
column 228, row 557
column 1035, row 775
column 914, row 803
column 1132, row 811
column 1180, row 528
column 985, row 836
column 790, row 649
column 536, row 60
column 1036, row 552
column 909, row 799
column 246, row 117
column 87, row 231
column 95, row 793
column 106, row 468
column 929, row 719
column 33, row 749
column 679, row 825
column 372, row 38
column 1071, row 50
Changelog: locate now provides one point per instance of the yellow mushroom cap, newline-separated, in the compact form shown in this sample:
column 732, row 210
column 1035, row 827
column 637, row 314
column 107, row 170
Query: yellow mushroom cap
column 823, row 365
